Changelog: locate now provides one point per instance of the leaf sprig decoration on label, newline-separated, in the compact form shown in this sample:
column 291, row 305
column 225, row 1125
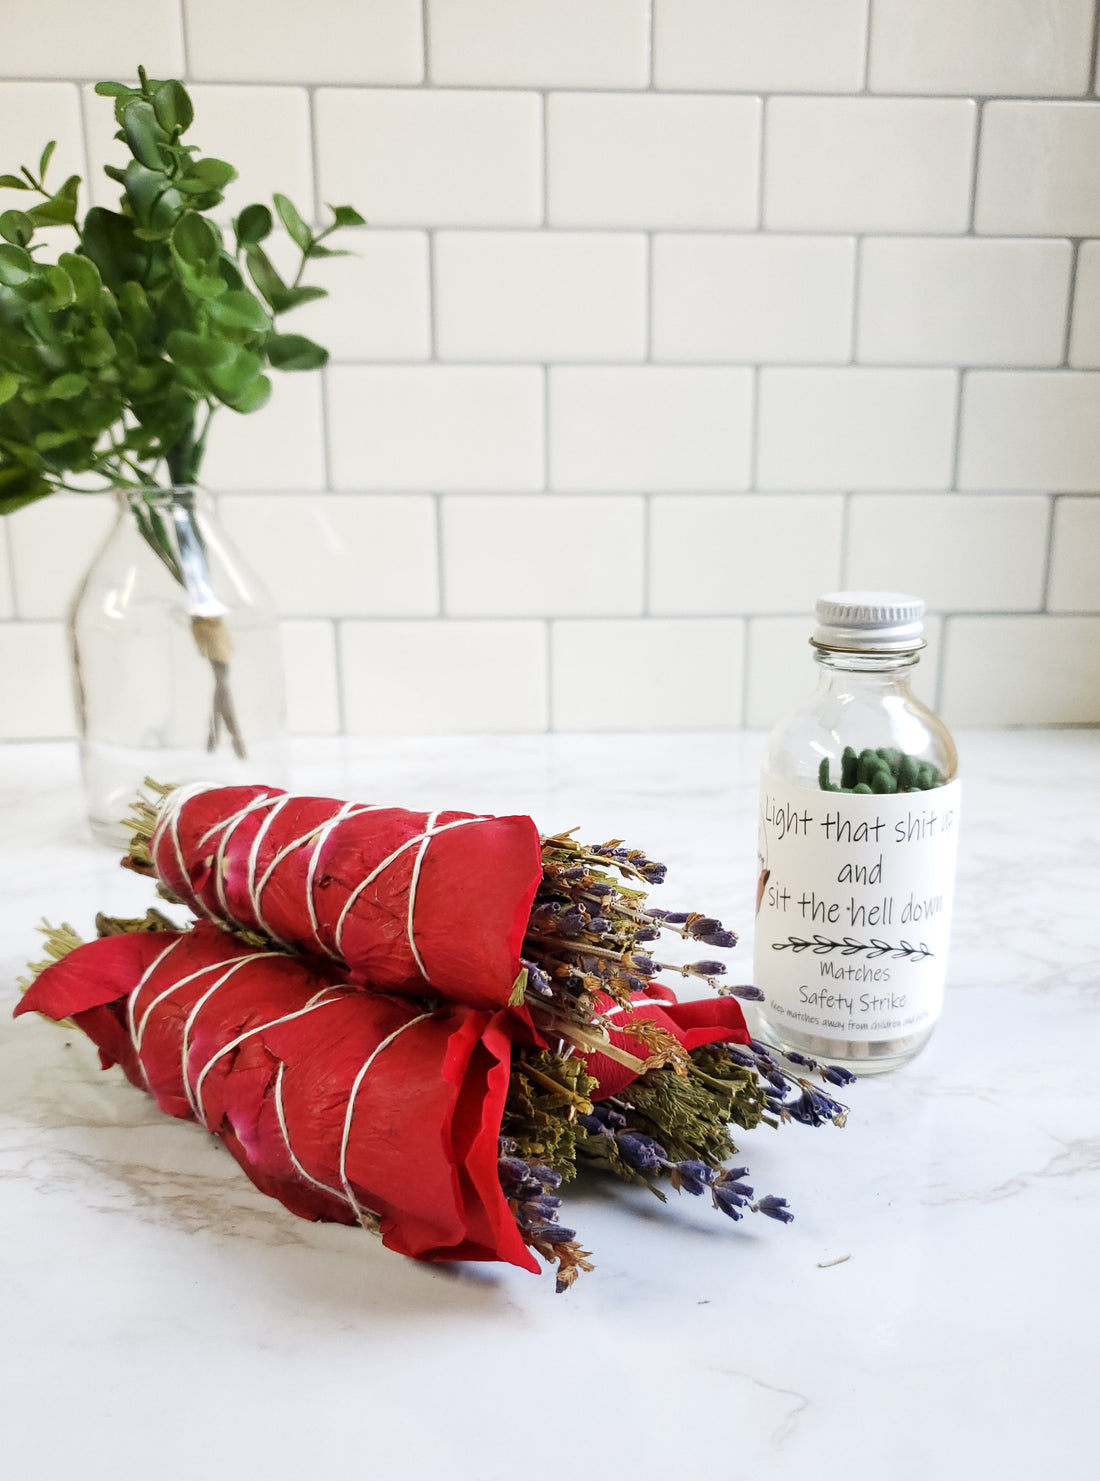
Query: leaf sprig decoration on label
column 115, row 352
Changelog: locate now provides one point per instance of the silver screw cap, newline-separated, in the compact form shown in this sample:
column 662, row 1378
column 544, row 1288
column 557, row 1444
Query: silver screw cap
column 869, row 621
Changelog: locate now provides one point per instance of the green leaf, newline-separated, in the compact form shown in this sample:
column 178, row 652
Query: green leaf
column 17, row 227
column 255, row 395
column 47, row 155
column 197, row 351
column 285, row 299
column 16, row 267
column 9, row 384
column 294, row 352
column 84, row 277
column 13, row 182
column 37, row 488
column 172, row 107
column 60, row 209
column 112, row 89
column 66, row 386
column 206, row 176
column 144, row 134
column 239, row 309
column 108, row 239
column 60, row 293
column 47, row 441
column 231, row 379
column 316, row 250
column 294, row 224
column 252, row 225
column 346, row 216
column 264, row 275
column 96, row 347
column 194, row 239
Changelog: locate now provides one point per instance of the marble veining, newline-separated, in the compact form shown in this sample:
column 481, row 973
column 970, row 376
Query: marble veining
column 159, row 1317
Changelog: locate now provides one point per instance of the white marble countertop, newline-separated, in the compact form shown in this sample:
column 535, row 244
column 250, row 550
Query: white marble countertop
column 159, row 1317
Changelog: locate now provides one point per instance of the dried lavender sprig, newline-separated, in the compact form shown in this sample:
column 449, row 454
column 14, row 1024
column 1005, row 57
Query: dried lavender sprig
column 526, row 1186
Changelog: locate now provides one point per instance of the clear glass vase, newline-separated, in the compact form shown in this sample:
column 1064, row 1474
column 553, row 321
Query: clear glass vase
column 176, row 658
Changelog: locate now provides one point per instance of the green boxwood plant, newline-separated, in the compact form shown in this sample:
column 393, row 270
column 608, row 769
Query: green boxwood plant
column 116, row 352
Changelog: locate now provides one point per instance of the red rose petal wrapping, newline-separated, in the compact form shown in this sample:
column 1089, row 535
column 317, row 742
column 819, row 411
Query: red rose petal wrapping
column 420, row 903
column 269, row 1055
column 694, row 1024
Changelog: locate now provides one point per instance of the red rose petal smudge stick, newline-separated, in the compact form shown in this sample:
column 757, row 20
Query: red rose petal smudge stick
column 341, row 1104
column 432, row 904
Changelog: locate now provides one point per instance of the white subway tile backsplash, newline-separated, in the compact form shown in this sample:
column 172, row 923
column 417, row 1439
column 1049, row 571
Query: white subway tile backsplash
column 856, row 429
column 539, row 43
column 782, row 674
column 1039, row 169
column 280, row 447
column 746, row 46
column 1075, row 556
column 1030, row 430
column 36, row 701
column 743, row 553
column 462, row 428
column 312, row 683
column 272, row 41
column 564, row 284
column 31, row 114
column 645, row 428
column 430, row 678
column 52, row 545
column 981, row 46
column 542, row 555
column 755, row 298
column 432, row 158
column 540, row 295
column 379, row 298
column 960, row 552
column 1013, row 670
column 700, row 663
column 868, row 164
column 70, row 38
column 928, row 301
column 661, row 160
column 340, row 555
column 1084, row 340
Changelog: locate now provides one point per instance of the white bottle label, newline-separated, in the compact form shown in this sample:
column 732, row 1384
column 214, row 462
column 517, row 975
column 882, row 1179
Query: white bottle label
column 854, row 908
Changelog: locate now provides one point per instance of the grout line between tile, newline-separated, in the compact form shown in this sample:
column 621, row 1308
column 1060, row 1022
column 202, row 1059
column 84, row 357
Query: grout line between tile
column 647, row 548
column 754, row 431
column 957, row 431
column 433, row 299
column 975, row 159
column 1071, row 295
column 1048, row 555
column 651, row 42
column 440, row 563
column 341, row 701
column 551, row 697
column 857, row 294
column 425, row 44
column 1094, row 59
column 185, row 41
column 869, row 13
column 544, row 155
column 649, row 246
column 546, row 455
